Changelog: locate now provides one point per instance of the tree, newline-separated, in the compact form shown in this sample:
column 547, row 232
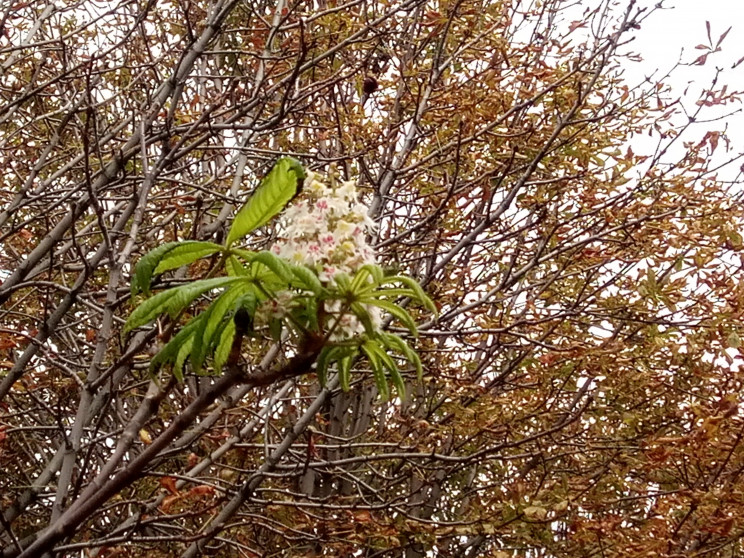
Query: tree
column 581, row 384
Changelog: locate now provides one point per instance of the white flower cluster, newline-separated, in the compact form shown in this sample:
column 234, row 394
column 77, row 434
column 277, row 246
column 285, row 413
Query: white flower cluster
column 326, row 230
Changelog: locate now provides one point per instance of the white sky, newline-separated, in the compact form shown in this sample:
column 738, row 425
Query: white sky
column 671, row 35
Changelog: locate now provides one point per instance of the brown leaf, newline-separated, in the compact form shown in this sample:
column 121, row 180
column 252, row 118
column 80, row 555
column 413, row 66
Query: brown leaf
column 169, row 483
column 193, row 460
column 722, row 37
column 202, row 490
column 168, row 501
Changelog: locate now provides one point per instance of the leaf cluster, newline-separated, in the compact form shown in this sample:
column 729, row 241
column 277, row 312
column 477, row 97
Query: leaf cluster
column 252, row 279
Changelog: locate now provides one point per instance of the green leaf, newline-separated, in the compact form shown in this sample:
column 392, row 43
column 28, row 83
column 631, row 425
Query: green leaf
column 305, row 278
column 360, row 284
column 343, row 356
column 344, row 371
column 343, row 281
column 233, row 267
column 143, row 271
column 222, row 352
column 217, row 313
column 322, row 364
column 278, row 266
column 390, row 293
column 361, row 312
column 419, row 293
column 184, row 253
column 226, row 332
column 174, row 349
column 369, row 348
column 276, row 190
column 183, row 353
column 173, row 300
column 306, row 312
column 397, row 312
column 247, row 255
column 187, row 293
column 392, row 367
column 395, row 342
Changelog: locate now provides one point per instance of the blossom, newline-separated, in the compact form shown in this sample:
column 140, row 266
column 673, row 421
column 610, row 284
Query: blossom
column 327, row 231
column 274, row 308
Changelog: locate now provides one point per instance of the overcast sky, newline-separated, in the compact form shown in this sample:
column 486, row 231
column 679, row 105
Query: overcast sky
column 671, row 35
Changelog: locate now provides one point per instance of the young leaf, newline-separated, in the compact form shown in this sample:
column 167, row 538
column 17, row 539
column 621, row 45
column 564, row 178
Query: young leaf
column 392, row 367
column 173, row 300
column 279, row 267
column 184, row 253
column 343, row 281
column 283, row 183
column 178, row 347
column 420, row 295
column 215, row 321
column 392, row 341
column 305, row 278
column 183, row 353
column 344, row 371
column 222, row 352
column 247, row 255
column 143, row 271
column 397, row 312
column 324, row 360
column 187, row 293
column 241, row 318
column 233, row 267
column 306, row 312
column 361, row 312
column 369, row 348
column 360, row 284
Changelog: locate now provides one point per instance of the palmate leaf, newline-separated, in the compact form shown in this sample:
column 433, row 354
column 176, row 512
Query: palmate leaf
column 233, row 266
column 143, row 271
column 178, row 348
column 344, row 371
column 206, row 336
column 212, row 329
column 392, row 341
column 283, row 183
column 183, row 353
column 396, row 311
column 170, row 255
column 272, row 274
column 363, row 314
column 343, row 281
column 392, row 368
column 186, row 252
column 307, row 279
column 174, row 300
column 371, row 350
column 417, row 293
column 360, row 283
column 343, row 356
column 222, row 352
column 278, row 266
column 322, row 364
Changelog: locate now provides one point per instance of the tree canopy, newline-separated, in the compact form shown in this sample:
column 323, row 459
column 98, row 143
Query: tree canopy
column 574, row 389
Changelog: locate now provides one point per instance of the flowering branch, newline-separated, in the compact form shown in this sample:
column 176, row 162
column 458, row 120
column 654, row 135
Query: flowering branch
column 318, row 283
